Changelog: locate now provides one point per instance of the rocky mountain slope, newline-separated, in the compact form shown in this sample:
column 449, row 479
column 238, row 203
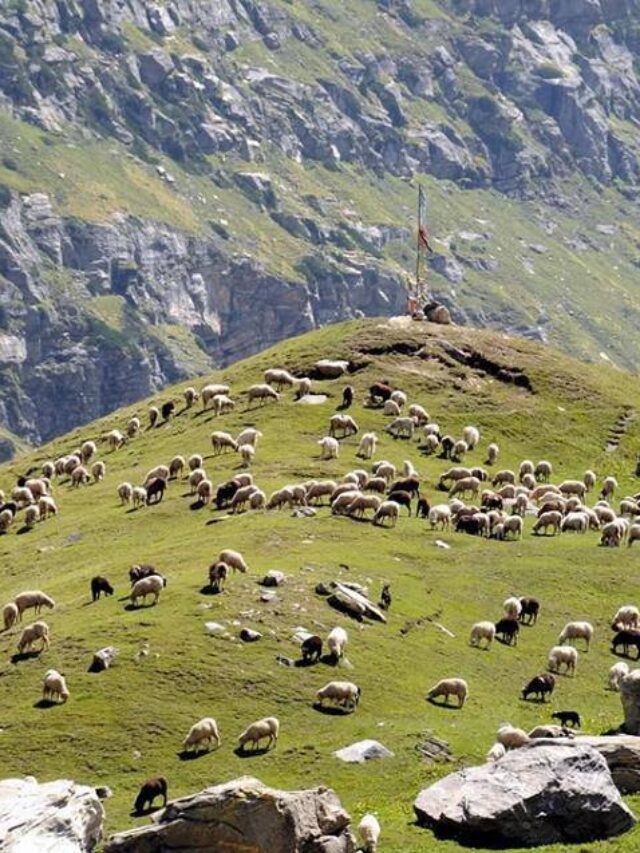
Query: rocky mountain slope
column 182, row 183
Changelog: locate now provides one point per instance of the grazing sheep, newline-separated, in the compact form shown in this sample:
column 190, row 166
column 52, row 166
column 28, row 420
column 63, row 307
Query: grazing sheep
column 23, row 496
column 151, row 585
column 337, row 642
column 125, row 493
column 143, row 571
column 304, row 387
column 98, row 471
column 508, row 628
column 420, row 415
column 33, row 632
column 152, row 788
column 399, row 397
column 279, row 498
column 609, row 485
column 384, row 469
column 115, row 439
column 329, row 447
column 201, row 735
column 482, row 631
column 628, row 616
column 613, row 533
column 496, row 752
column 514, row 525
column 258, row 500
column 154, row 416
column 403, row 427
column 526, row 467
column 262, row 393
column 176, row 467
column 139, row 496
column 217, row 575
column 204, row 491
column 279, row 377
column 321, row 489
column 440, row 516
column 312, row 649
column 391, row 408
column 566, row 717
column 560, row 655
column 195, row 478
column 367, row 445
column 248, row 436
column 512, row 607
column 466, row 486
column 543, row 471
column 471, row 437
column 159, row 472
column 10, row 615
column 133, row 428
column 589, row 480
column 344, row 424
column 155, row 490
column 210, row 391
column 268, row 727
column 79, row 476
column 38, row 487
column 31, row 516
column 504, row 477
column 191, row 396
column 530, row 607
column 6, row 520
column 617, row 672
column 195, row 461
column 573, row 487
column 222, row 404
column 343, row 693
column 459, row 451
column 54, row 687
column 33, row 598
column 48, row 470
column 541, row 685
column 222, row 441
column 242, row 497
column 575, row 631
column 575, row 521
column 450, row 687
column 98, row 585
column 369, row 832
column 551, row 519
column 387, row 509
column 510, row 737
column 549, row 732
column 233, row 559
column 493, row 451
column 360, row 504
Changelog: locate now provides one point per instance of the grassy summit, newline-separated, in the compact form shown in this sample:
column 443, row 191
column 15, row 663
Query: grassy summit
column 126, row 724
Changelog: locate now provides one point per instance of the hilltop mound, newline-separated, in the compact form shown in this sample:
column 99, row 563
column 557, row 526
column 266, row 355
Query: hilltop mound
column 126, row 724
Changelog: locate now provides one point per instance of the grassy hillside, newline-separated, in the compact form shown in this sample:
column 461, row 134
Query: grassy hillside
column 126, row 724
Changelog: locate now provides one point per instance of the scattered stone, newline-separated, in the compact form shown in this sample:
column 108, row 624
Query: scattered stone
column 248, row 635
column 539, row 794
column 304, row 512
column 60, row 815
column 440, row 544
column 273, row 578
column 433, row 749
column 268, row 596
column 285, row 661
column 364, row 750
column 313, row 399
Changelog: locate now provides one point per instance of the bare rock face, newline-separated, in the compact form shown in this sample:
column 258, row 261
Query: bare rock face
column 245, row 814
column 630, row 697
column 622, row 754
column 59, row 816
column 539, row 794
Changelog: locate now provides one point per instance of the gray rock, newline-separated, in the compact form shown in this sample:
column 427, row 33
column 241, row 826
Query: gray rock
column 544, row 793
column 449, row 267
column 245, row 813
column 630, row 698
column 155, row 66
column 60, row 815
column 364, row 750
column 273, row 578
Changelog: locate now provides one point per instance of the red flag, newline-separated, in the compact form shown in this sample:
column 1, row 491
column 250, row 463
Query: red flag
column 423, row 238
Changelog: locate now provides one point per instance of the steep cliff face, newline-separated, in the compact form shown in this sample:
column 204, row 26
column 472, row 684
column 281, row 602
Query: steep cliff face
column 183, row 183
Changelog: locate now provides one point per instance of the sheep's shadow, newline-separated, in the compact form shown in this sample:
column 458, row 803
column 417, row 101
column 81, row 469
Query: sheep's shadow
column 214, row 521
column 241, row 752
column 192, row 754
column 332, row 710
column 445, row 705
column 534, row 700
column 207, row 589
column 329, row 660
column 145, row 812
column 134, row 607
column 24, row 529
column 18, row 657
column 505, row 642
column 122, row 598
column 133, row 509
column 303, row 663
column 196, row 505
column 45, row 703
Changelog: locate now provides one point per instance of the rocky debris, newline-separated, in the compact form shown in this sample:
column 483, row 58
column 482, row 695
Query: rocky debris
column 60, row 815
column 434, row 750
column 630, row 698
column 622, row 754
column 540, row 794
column 345, row 598
column 248, row 635
column 364, row 750
column 304, row 512
column 245, row 813
column 273, row 578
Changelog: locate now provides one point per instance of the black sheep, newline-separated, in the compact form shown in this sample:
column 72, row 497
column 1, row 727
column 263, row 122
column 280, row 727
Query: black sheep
column 626, row 639
column 152, row 788
column 469, row 524
column 167, row 409
column 508, row 629
column 409, row 484
column 542, row 685
column 155, row 490
column 225, row 493
column 402, row 498
column 98, row 585
column 347, row 397
column 142, row 571
column 423, row 508
column 530, row 608
column 566, row 717
column 312, row 649
column 385, row 597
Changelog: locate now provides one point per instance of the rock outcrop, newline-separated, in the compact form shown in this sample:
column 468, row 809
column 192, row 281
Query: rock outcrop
column 539, row 794
column 52, row 817
column 245, row 814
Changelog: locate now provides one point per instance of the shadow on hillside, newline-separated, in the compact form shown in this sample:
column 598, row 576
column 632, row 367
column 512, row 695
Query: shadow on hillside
column 20, row 656
column 46, row 703
column 444, row 705
column 24, row 529
column 332, row 710
column 301, row 663
column 216, row 520
column 194, row 505
column 210, row 590
column 133, row 509
column 192, row 755
column 133, row 607
column 241, row 752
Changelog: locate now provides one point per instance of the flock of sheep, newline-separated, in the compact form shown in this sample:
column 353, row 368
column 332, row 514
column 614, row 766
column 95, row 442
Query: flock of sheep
column 502, row 502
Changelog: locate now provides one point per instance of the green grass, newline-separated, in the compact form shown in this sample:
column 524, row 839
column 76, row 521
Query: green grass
column 126, row 724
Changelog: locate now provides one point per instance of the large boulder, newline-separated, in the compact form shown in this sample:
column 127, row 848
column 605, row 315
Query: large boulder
column 59, row 816
column 245, row 814
column 540, row 794
column 630, row 697
column 622, row 754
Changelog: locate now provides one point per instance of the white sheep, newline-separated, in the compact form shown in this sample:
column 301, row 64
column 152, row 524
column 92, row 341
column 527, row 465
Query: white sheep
column 125, row 493
column 369, row 832
column 408, row 470
column 115, row 439
column 573, row 487
column 279, row 498
column 526, row 467
column 222, row 441
column 262, row 393
column 511, row 737
column 337, row 642
column 420, row 415
column 222, row 404
column 430, row 444
column 151, row 585
column 440, row 516
column 385, row 469
column 48, row 470
column 54, row 687
column 514, row 525
column 512, row 607
column 79, row 476
column 204, row 491
column 258, row 500
column 450, row 687
column 401, row 427
column 247, row 453
column 609, row 485
column 10, row 615
column 233, row 559
column 367, row 445
column 268, row 727
column 133, row 427
column 33, row 598
column 471, row 436
column 195, row 461
column 617, row 672
column 139, row 496
column 399, row 397
column 6, row 520
column 47, row 507
column 159, row 472
column 31, row 516
column 628, row 616
column 241, row 498
column 87, row 450
column 340, row 502
column 360, row 504
column 329, row 447
column 71, row 463
column 195, row 478
column 497, row 751
column 391, row 408
column 176, row 467
column 321, row 489
column 22, row 496
column 250, row 435
column 344, row 424
column 589, row 479
column 210, row 391
column 98, row 471
column 191, row 396
column 33, row 632
column 38, row 487
column 482, row 631
column 279, row 377
column 575, row 521
column 560, row 655
column 154, row 415
column 493, row 451
column 202, row 734
column 550, row 519
column 387, row 509
column 575, row 631
column 304, row 387
column 343, row 693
